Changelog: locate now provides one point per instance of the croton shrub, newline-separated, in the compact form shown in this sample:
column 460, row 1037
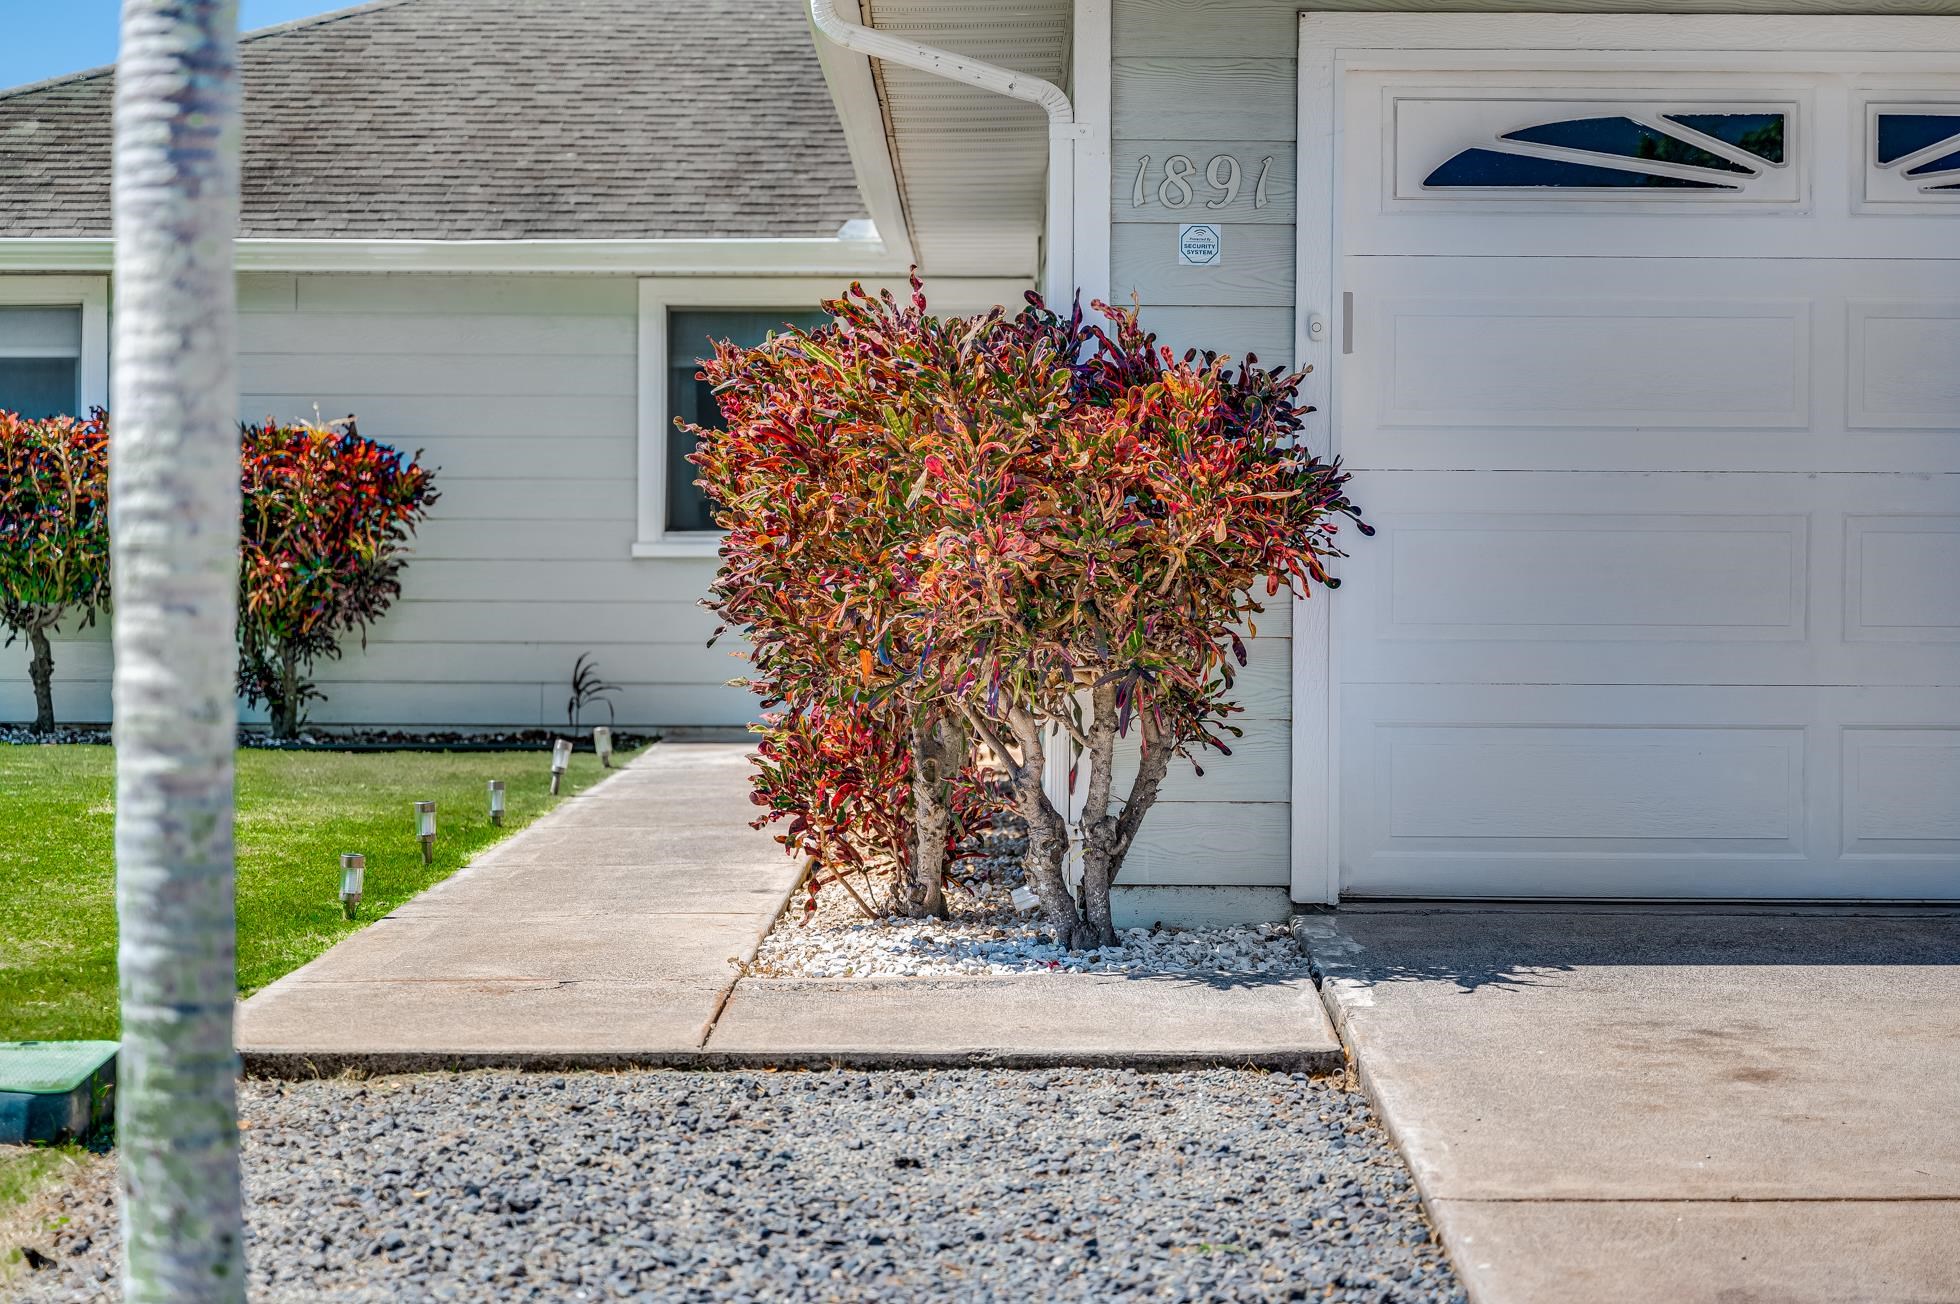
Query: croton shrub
column 327, row 515
column 1009, row 533
column 54, row 535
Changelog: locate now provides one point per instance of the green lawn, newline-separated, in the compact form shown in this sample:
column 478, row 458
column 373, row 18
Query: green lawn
column 297, row 811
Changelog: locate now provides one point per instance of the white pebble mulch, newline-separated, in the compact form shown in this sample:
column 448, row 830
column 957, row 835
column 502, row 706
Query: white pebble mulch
column 986, row 936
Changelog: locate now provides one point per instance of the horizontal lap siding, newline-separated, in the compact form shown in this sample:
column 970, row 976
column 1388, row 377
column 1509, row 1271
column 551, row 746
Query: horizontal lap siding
column 521, row 391
column 1201, row 81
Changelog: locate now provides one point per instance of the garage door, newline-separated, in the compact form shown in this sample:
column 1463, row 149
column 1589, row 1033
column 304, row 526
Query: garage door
column 1648, row 367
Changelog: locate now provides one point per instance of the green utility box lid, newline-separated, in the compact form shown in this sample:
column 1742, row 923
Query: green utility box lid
column 54, row 1090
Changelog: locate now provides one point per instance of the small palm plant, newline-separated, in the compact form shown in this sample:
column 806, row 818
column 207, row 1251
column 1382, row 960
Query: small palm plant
column 588, row 688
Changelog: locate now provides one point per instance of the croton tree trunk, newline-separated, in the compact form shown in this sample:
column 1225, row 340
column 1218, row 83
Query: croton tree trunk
column 285, row 705
column 40, row 671
column 938, row 754
column 174, row 477
column 1107, row 835
column 1025, row 761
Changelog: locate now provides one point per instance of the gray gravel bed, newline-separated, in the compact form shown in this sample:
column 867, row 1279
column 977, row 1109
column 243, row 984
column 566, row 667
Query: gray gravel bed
column 960, row 1184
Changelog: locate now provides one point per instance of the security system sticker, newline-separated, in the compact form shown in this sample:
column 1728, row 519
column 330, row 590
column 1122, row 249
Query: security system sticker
column 1200, row 244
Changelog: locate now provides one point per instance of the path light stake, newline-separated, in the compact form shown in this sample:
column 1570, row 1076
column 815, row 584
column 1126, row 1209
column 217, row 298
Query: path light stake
column 497, row 802
column 561, row 759
column 353, row 877
column 602, row 744
column 425, row 827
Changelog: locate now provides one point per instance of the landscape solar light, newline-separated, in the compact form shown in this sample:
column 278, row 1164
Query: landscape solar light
column 353, row 877
column 561, row 760
column 497, row 802
column 602, row 744
column 425, row 828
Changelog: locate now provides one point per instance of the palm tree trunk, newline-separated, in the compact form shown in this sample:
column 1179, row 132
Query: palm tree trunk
column 174, row 494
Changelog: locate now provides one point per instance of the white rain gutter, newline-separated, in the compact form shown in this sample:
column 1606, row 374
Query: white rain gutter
column 1058, row 244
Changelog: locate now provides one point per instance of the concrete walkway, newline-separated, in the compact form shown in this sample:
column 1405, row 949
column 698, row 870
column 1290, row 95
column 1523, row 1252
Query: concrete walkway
column 1119, row 1020
column 1623, row 1106
column 611, row 931
column 603, row 930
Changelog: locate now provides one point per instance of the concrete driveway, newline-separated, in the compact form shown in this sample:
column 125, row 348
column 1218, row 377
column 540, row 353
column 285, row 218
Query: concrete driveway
column 1628, row 1104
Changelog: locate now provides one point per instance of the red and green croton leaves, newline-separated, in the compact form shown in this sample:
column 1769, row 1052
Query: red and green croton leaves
column 327, row 515
column 54, row 517
column 926, row 513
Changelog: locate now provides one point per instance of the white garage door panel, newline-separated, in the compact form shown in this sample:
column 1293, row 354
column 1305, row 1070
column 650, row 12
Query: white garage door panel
column 1643, row 792
column 1902, row 372
column 1653, row 579
column 1643, row 363
column 1546, row 360
column 1650, row 382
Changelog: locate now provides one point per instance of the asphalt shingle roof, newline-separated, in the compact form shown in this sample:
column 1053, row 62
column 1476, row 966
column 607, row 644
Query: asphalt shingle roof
column 489, row 119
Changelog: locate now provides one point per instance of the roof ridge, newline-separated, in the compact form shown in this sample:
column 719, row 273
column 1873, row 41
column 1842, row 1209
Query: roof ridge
column 332, row 16
column 277, row 29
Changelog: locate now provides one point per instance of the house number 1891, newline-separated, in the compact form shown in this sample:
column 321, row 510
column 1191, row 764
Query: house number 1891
column 1222, row 177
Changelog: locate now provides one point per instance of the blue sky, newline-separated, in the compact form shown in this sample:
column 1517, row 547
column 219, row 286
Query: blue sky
column 46, row 38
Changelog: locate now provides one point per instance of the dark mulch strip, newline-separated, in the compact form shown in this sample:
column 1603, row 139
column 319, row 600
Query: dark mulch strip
column 363, row 740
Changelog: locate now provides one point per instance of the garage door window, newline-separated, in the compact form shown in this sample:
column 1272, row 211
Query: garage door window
column 1916, row 151
column 1712, row 151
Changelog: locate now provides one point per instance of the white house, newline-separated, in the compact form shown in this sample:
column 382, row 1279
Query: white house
column 1639, row 333
column 500, row 232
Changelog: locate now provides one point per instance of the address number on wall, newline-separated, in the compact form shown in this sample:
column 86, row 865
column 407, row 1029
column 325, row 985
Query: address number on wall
column 1180, row 183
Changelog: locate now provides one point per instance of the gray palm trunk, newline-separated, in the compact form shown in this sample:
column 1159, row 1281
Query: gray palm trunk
column 174, row 511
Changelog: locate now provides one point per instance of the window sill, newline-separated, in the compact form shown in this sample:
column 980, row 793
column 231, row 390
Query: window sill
column 680, row 545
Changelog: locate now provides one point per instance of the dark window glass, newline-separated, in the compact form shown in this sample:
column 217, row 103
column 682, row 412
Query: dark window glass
column 40, row 387
column 1944, row 163
column 40, row 360
column 1760, row 134
column 690, row 337
column 1481, row 168
column 1625, row 137
column 1900, row 134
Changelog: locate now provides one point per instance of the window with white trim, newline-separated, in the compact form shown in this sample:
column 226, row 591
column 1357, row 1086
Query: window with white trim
column 691, row 336
column 680, row 319
column 54, row 345
column 41, row 359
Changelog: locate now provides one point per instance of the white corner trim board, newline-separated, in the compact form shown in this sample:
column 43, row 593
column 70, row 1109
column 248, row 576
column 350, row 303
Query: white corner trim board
column 837, row 257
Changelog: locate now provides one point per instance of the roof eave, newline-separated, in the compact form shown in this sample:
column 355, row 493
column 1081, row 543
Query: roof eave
column 700, row 257
column 854, row 92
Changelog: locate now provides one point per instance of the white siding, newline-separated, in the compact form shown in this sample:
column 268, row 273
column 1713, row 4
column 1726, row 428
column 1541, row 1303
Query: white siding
column 521, row 390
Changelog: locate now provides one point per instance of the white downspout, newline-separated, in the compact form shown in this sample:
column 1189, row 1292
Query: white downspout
column 1058, row 282
column 1058, row 241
